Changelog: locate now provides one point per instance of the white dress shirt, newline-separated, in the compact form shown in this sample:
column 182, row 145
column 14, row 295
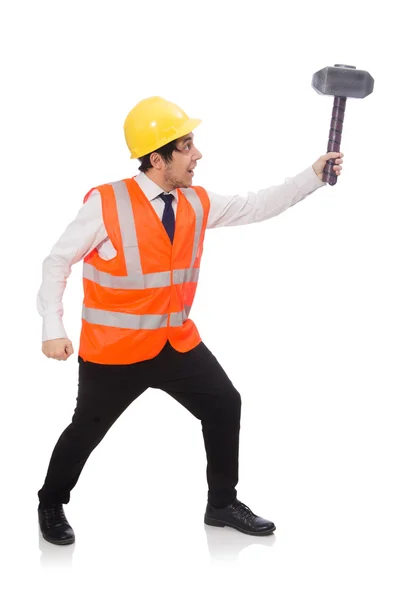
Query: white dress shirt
column 88, row 231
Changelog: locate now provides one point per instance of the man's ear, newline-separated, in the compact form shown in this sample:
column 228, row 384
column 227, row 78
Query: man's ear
column 156, row 160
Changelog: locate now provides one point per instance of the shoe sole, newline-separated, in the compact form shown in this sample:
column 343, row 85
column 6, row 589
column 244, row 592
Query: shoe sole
column 216, row 523
column 60, row 542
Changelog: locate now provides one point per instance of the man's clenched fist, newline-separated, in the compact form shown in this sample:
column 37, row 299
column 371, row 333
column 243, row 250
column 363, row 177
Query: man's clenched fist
column 60, row 349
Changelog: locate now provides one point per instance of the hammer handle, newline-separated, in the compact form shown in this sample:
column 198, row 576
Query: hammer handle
column 335, row 138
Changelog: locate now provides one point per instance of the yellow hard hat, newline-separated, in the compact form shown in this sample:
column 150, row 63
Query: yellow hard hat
column 154, row 122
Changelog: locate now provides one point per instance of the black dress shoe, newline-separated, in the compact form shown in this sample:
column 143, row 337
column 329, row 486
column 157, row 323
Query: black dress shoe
column 239, row 516
column 54, row 525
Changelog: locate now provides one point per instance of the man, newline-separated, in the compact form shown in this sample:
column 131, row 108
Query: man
column 141, row 240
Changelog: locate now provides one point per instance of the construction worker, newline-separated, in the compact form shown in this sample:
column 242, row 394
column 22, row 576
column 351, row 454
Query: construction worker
column 141, row 240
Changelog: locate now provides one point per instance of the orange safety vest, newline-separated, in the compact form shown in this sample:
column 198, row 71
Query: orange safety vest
column 140, row 298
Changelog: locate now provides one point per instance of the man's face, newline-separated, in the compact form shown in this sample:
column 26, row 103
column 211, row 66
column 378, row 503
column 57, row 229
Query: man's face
column 179, row 172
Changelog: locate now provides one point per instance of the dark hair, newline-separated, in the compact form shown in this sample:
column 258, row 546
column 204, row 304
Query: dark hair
column 165, row 151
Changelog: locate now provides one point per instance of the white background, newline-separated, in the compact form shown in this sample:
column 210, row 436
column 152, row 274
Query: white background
column 300, row 310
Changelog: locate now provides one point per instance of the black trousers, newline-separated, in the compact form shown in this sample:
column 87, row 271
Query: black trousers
column 194, row 378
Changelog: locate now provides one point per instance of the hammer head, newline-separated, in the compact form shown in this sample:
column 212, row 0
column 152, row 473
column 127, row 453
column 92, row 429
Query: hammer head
column 344, row 81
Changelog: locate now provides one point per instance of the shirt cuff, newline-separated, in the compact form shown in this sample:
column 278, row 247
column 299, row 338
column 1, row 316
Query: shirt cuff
column 53, row 328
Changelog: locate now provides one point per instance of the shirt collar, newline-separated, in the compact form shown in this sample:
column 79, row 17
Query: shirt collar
column 150, row 188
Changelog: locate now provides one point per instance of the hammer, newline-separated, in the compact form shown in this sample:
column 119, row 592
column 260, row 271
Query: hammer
column 341, row 81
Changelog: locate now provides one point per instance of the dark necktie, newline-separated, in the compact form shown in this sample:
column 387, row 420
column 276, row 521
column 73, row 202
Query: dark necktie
column 168, row 219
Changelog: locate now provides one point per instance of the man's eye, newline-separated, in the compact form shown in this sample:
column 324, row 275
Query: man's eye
column 187, row 147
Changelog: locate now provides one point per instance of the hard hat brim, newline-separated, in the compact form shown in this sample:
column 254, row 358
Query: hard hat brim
column 187, row 127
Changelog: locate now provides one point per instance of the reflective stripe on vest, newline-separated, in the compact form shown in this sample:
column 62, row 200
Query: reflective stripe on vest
column 135, row 279
column 195, row 202
column 138, row 281
column 129, row 321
